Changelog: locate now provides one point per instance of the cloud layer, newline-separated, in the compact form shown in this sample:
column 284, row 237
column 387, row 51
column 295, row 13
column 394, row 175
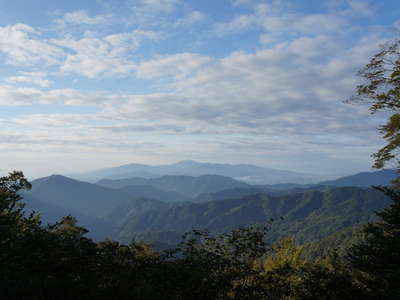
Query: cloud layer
column 137, row 97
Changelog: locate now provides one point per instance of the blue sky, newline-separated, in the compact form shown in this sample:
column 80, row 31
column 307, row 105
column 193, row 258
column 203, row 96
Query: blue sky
column 90, row 84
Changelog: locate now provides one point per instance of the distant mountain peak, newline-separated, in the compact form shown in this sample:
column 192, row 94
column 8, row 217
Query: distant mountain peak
column 54, row 179
column 187, row 163
column 57, row 176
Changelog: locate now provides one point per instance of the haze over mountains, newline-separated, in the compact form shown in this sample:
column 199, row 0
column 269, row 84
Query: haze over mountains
column 90, row 199
column 244, row 172
column 187, row 185
column 160, row 209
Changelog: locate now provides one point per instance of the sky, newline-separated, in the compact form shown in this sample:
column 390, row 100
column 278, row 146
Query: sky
column 96, row 83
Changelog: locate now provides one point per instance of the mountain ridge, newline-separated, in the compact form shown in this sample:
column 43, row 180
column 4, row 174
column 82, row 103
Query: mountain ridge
column 74, row 195
column 364, row 179
column 308, row 215
column 189, row 186
column 245, row 172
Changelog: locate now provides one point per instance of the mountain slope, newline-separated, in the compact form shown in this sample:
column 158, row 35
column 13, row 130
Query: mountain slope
column 364, row 179
column 76, row 196
column 309, row 215
column 148, row 191
column 99, row 229
column 228, row 194
column 129, row 210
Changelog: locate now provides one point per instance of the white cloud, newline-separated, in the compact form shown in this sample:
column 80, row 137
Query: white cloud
column 269, row 91
column 238, row 24
column 359, row 8
column 276, row 19
column 11, row 95
column 108, row 55
column 191, row 18
column 80, row 17
column 269, row 102
column 165, row 6
column 33, row 78
column 272, row 90
column 90, row 55
column 22, row 46
column 175, row 66
column 306, row 24
column 150, row 13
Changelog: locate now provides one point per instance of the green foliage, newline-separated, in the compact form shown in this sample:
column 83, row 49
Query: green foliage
column 286, row 253
column 309, row 215
column 32, row 256
column 287, row 274
column 338, row 242
column 9, row 197
column 383, row 79
column 377, row 256
column 382, row 90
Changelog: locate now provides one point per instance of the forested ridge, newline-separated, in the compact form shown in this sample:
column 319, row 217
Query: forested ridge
column 309, row 215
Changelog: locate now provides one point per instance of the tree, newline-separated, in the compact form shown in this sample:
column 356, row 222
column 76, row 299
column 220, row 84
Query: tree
column 10, row 204
column 378, row 255
column 38, row 262
column 15, row 227
column 382, row 91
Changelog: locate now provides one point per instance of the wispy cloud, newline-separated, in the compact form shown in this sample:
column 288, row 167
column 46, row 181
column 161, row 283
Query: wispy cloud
column 241, row 93
column 173, row 66
column 23, row 45
column 32, row 78
column 276, row 18
column 108, row 55
column 80, row 17
column 164, row 6
column 191, row 18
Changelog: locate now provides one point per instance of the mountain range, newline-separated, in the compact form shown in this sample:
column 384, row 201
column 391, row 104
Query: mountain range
column 70, row 194
column 244, row 172
column 161, row 209
column 188, row 186
column 56, row 196
column 308, row 215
